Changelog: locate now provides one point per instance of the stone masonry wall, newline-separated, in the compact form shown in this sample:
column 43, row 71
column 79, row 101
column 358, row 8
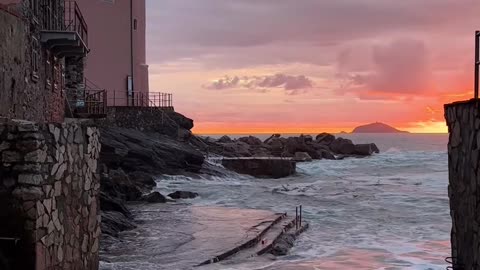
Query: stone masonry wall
column 463, row 120
column 49, row 194
column 27, row 90
column 143, row 119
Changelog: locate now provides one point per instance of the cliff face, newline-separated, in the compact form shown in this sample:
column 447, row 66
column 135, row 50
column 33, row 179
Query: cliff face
column 377, row 128
column 137, row 146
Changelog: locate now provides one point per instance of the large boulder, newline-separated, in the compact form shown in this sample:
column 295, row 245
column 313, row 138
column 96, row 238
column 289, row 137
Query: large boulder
column 236, row 149
column 275, row 145
column 342, row 146
column 375, row 148
column 224, row 139
column 325, row 138
column 307, row 138
column 109, row 203
column 183, row 195
column 181, row 120
column 283, row 244
column 302, row 157
column 114, row 222
column 117, row 184
column 250, row 140
column 366, row 149
column 142, row 179
column 296, row 144
column 274, row 136
column 326, row 154
column 154, row 197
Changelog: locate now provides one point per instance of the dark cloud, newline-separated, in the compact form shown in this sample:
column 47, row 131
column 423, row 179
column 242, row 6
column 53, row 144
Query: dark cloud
column 220, row 31
column 401, row 67
column 290, row 83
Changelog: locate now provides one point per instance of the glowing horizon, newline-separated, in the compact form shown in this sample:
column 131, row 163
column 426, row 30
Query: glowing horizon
column 256, row 67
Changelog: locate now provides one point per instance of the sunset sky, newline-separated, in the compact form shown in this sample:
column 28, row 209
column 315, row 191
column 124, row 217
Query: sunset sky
column 306, row 66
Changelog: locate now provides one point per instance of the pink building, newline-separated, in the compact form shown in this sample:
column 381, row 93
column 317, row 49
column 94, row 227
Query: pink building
column 117, row 58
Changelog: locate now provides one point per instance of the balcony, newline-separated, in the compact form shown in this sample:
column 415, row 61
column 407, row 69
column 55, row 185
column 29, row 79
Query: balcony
column 71, row 39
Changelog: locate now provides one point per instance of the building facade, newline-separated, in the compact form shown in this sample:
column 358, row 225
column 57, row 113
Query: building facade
column 117, row 58
column 40, row 39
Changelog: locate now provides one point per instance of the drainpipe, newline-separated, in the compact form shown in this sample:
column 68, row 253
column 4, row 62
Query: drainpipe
column 131, row 50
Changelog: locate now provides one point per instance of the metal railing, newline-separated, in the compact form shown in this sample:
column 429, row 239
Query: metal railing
column 140, row 99
column 74, row 20
column 87, row 103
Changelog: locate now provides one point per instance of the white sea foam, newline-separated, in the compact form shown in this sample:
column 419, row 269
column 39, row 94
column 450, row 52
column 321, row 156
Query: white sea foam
column 389, row 210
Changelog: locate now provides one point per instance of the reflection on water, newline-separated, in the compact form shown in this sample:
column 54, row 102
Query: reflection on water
column 389, row 211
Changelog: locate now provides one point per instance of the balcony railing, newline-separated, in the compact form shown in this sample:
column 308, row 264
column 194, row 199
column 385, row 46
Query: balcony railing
column 74, row 20
column 87, row 103
column 141, row 99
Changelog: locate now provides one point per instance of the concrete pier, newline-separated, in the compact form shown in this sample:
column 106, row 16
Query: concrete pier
column 263, row 167
column 463, row 120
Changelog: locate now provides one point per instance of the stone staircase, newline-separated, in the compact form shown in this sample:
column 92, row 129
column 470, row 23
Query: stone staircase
column 263, row 239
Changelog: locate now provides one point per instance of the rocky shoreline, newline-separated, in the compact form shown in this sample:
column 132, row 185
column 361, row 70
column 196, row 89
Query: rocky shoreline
column 301, row 148
column 131, row 159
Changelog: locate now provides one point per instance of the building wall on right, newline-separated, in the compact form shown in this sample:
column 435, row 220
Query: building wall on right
column 463, row 120
column 117, row 44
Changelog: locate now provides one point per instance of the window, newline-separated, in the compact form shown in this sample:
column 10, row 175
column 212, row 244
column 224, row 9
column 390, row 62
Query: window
column 35, row 57
column 134, row 24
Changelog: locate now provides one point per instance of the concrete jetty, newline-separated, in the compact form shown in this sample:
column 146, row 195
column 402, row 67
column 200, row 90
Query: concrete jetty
column 262, row 167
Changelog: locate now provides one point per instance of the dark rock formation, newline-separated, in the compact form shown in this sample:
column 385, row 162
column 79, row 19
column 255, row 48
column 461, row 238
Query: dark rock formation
column 366, row 149
column 325, row 154
column 154, row 197
column 183, row 195
column 283, row 244
column 151, row 153
column 377, row 128
column 225, row 139
column 114, row 222
column 302, row 157
column 325, row 138
column 129, row 160
column 261, row 167
column 325, row 146
column 342, row 146
column 250, row 140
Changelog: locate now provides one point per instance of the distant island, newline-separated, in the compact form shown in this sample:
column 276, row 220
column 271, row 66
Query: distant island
column 377, row 128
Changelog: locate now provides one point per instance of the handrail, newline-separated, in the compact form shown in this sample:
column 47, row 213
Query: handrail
column 74, row 20
column 140, row 99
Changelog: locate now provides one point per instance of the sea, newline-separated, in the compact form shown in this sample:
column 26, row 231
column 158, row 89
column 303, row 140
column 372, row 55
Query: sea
column 387, row 211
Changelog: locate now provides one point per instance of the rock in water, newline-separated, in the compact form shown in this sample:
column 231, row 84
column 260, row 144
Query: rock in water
column 363, row 149
column 325, row 138
column 375, row 148
column 224, row 139
column 326, row 154
column 183, row 195
column 283, row 244
column 250, row 140
column 274, row 136
column 154, row 197
column 114, row 222
column 342, row 146
column 302, row 157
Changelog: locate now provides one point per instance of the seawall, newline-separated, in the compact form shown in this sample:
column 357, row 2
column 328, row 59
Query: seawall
column 463, row 120
column 49, row 195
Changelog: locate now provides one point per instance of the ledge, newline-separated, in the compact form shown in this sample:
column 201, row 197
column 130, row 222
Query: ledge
column 463, row 102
